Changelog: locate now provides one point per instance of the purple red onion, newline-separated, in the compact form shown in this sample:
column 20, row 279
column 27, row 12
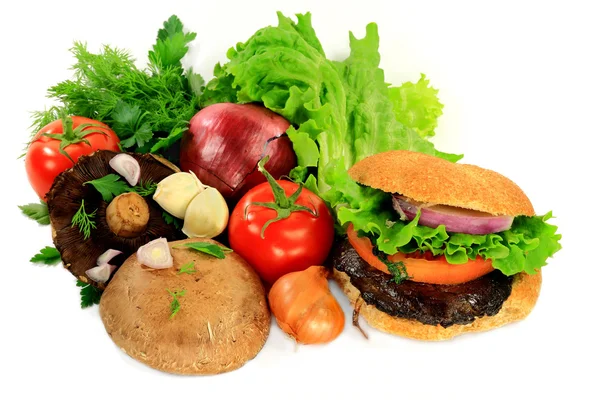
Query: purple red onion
column 225, row 141
column 455, row 219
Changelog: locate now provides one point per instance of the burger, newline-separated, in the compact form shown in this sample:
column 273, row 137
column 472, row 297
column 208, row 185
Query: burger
column 440, row 249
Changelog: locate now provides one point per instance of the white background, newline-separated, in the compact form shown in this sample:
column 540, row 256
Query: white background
column 520, row 81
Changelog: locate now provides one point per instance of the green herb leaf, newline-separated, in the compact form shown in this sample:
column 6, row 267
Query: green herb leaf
column 175, row 305
column 90, row 295
column 48, row 255
column 84, row 221
column 110, row 186
column 171, row 45
column 145, row 189
column 43, row 118
column 37, row 212
column 196, row 82
column 142, row 106
column 171, row 220
column 165, row 143
column 129, row 124
column 188, row 268
column 208, row 248
column 397, row 269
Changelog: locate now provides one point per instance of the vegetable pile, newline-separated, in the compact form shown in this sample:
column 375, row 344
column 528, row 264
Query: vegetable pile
column 129, row 159
column 342, row 112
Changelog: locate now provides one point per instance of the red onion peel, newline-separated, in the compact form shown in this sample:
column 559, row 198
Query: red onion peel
column 455, row 219
column 225, row 141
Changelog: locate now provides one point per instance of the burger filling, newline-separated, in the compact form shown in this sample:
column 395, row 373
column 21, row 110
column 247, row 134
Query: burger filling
column 429, row 304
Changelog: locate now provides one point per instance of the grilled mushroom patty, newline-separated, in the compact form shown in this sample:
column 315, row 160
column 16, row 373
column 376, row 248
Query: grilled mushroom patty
column 429, row 304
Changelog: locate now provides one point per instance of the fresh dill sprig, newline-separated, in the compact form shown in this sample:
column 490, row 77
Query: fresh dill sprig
column 84, row 221
column 145, row 189
column 148, row 108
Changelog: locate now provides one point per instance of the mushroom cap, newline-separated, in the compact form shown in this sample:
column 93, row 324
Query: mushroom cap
column 223, row 321
column 64, row 200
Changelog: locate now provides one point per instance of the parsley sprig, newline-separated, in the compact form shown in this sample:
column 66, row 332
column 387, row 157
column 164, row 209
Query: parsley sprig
column 188, row 268
column 37, row 212
column 397, row 269
column 175, row 304
column 90, row 295
column 147, row 108
column 48, row 255
column 111, row 185
column 214, row 250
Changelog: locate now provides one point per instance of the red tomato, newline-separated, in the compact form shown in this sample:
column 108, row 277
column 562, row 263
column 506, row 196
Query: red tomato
column 437, row 270
column 44, row 160
column 291, row 244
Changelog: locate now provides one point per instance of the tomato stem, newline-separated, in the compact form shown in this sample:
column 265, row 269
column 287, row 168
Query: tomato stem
column 283, row 205
column 71, row 136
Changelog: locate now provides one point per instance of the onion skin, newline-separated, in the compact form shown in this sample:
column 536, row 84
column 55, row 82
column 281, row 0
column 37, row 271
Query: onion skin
column 455, row 219
column 304, row 307
column 225, row 141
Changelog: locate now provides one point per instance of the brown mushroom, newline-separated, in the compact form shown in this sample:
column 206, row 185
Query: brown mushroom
column 127, row 223
column 223, row 320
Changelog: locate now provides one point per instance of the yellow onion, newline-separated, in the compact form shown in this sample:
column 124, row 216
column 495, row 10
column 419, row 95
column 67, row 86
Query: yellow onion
column 176, row 191
column 304, row 307
column 207, row 215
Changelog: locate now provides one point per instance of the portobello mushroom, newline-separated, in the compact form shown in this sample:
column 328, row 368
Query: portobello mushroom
column 126, row 223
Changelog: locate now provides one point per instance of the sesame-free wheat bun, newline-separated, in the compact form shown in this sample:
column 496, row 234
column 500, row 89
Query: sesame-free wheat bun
column 222, row 323
column 524, row 294
column 430, row 179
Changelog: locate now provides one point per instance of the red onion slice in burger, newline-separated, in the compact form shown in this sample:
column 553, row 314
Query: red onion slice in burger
column 455, row 219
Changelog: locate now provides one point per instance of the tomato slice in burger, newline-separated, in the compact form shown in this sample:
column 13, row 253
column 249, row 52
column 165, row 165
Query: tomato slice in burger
column 437, row 271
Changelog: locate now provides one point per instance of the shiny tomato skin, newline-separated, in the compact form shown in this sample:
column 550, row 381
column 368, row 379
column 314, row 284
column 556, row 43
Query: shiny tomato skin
column 292, row 244
column 44, row 162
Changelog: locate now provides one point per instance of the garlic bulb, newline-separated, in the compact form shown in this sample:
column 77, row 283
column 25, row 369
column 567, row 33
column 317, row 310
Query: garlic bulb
column 176, row 191
column 207, row 214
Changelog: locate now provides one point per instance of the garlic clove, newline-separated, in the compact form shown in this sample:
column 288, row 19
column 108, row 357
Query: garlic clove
column 176, row 191
column 207, row 215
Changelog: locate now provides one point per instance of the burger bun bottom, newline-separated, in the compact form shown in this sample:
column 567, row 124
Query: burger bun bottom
column 524, row 294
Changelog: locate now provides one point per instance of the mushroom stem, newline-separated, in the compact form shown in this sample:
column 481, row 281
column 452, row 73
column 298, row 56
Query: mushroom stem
column 127, row 215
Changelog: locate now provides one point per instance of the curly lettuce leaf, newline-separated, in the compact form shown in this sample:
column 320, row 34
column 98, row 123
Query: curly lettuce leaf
column 523, row 248
column 341, row 111
column 416, row 105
